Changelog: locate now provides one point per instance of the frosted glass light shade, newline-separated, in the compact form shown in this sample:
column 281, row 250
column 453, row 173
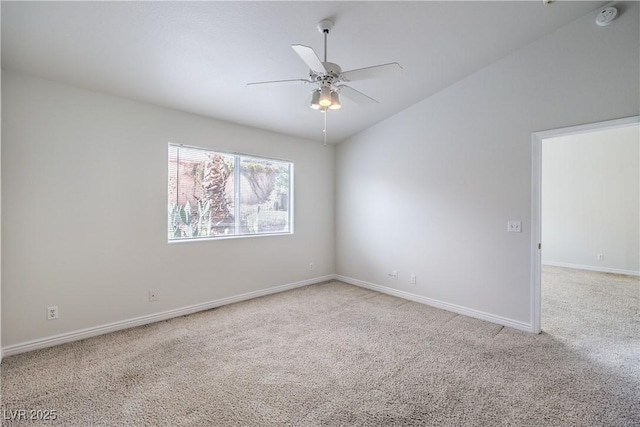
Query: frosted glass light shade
column 315, row 100
column 335, row 101
column 325, row 97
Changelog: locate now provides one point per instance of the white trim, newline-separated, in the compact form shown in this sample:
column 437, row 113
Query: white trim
column 536, row 203
column 440, row 304
column 151, row 318
column 589, row 127
column 592, row 268
column 536, row 233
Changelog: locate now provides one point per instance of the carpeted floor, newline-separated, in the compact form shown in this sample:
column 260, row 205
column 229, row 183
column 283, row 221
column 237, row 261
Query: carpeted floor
column 335, row 354
column 598, row 314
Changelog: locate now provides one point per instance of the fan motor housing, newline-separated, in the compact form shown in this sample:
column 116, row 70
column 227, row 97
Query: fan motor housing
column 331, row 76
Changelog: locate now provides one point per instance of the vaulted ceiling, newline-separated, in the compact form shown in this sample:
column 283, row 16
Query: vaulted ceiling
column 198, row 56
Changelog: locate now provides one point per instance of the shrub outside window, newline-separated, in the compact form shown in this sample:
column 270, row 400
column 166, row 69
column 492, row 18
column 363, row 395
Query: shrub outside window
column 214, row 195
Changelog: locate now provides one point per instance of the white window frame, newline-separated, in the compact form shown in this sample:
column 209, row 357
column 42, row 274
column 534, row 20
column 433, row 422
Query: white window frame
column 236, row 195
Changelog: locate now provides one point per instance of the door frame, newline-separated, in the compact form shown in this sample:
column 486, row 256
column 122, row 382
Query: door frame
column 536, row 202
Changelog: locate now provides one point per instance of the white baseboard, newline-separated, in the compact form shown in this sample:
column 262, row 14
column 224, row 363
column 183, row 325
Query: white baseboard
column 592, row 268
column 151, row 318
column 527, row 327
column 156, row 317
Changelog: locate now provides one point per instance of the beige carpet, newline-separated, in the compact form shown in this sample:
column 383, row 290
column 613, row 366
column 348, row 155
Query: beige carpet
column 335, row 354
column 597, row 314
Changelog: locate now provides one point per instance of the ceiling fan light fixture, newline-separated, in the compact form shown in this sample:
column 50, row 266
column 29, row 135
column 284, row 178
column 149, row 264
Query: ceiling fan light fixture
column 328, row 77
column 335, row 101
column 325, row 97
column 315, row 99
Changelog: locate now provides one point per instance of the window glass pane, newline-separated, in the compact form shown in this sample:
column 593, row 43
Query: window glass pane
column 264, row 196
column 200, row 193
column 214, row 194
column 217, row 203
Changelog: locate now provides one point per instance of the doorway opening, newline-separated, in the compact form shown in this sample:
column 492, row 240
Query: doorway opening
column 584, row 204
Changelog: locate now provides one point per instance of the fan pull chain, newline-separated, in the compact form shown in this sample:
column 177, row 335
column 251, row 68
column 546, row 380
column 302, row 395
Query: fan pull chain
column 324, row 131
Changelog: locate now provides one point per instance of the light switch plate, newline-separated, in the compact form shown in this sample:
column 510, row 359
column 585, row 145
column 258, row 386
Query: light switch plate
column 514, row 226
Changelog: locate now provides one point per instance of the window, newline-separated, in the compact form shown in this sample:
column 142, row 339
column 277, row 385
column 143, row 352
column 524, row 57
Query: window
column 215, row 194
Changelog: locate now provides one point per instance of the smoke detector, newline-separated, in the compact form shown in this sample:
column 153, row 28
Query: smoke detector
column 606, row 16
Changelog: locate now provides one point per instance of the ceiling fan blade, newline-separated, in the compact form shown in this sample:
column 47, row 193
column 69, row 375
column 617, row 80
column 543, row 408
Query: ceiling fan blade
column 377, row 71
column 282, row 82
column 355, row 96
column 310, row 58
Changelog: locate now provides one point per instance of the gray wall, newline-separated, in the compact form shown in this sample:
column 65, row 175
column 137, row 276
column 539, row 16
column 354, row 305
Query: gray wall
column 590, row 200
column 429, row 191
column 0, row 218
column 84, row 179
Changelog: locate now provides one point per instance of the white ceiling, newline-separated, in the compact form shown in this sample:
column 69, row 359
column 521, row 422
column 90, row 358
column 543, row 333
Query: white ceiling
column 198, row 56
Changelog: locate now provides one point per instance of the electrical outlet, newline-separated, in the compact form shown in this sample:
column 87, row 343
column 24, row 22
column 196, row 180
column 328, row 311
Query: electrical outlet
column 311, row 266
column 413, row 279
column 600, row 257
column 153, row 296
column 394, row 274
column 52, row 312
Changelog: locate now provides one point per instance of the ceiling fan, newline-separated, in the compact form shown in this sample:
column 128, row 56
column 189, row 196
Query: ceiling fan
column 330, row 79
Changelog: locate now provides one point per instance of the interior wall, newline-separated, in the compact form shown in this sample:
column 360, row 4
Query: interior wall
column 590, row 200
column 84, row 188
column 429, row 191
column 0, row 217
